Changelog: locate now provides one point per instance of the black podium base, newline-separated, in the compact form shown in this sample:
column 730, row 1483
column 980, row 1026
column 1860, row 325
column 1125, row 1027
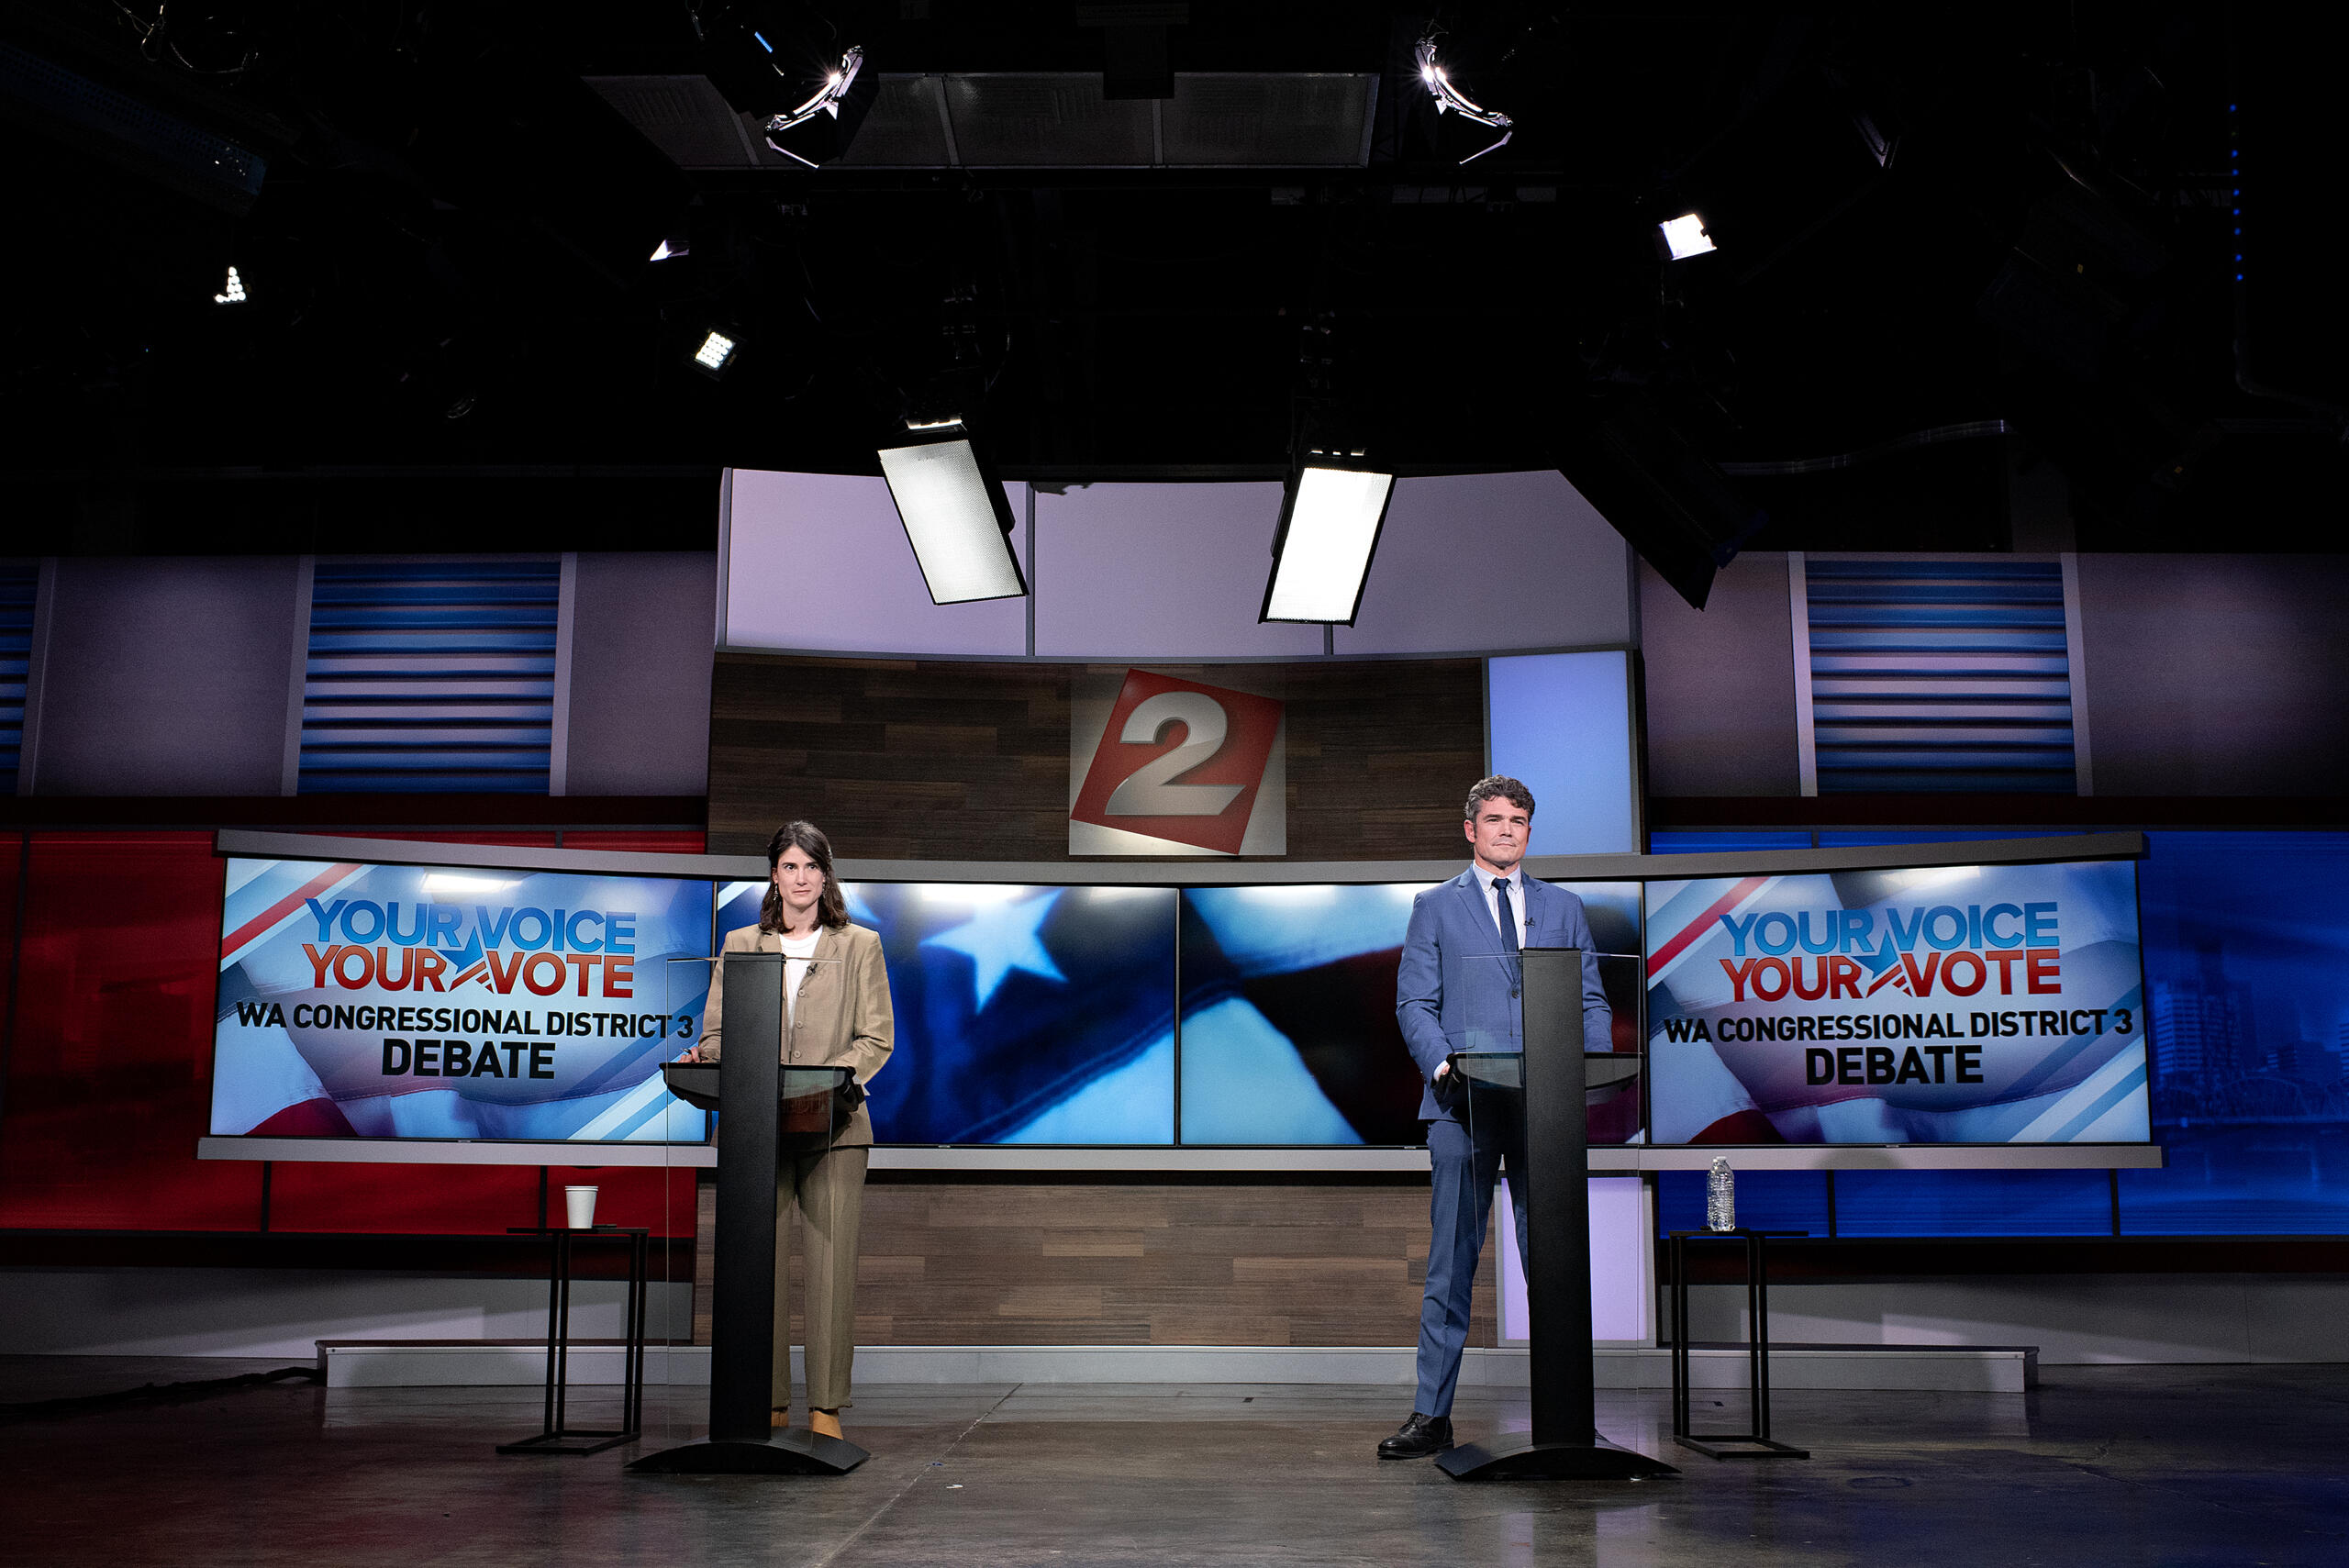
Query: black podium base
column 1517, row 1457
column 786, row 1453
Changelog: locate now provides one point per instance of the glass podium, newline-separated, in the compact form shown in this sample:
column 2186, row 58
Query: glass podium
column 768, row 1111
column 1528, row 1094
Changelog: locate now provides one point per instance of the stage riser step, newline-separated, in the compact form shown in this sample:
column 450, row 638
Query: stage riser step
column 1995, row 1370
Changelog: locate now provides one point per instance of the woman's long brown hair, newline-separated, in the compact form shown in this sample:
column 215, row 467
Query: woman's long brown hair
column 831, row 909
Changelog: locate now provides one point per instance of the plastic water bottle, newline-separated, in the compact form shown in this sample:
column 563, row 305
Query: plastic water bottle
column 1720, row 1197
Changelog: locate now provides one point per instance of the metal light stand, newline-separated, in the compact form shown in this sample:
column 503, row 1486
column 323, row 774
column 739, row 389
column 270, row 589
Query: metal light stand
column 751, row 1080
column 1564, row 1443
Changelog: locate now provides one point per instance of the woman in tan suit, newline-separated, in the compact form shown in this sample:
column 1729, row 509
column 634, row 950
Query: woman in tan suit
column 838, row 1015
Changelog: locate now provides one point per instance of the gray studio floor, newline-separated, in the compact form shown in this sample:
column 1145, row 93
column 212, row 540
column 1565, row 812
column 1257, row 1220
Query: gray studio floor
column 2175, row 1466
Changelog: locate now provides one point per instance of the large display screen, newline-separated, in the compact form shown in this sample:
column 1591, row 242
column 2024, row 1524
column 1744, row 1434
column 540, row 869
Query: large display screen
column 1025, row 1014
column 1957, row 1005
column 1288, row 1012
column 380, row 1001
column 2000, row 1004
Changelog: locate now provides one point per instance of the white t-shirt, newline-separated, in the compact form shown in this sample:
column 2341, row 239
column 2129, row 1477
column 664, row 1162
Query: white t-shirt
column 796, row 951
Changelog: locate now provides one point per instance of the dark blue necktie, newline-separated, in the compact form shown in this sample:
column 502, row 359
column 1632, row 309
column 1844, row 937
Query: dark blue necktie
column 1506, row 914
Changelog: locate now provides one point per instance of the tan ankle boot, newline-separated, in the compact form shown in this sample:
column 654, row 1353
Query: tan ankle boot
column 779, row 1417
column 824, row 1423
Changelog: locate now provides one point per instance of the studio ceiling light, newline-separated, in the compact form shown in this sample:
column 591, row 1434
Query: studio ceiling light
column 1450, row 99
column 717, row 352
column 1683, row 237
column 954, row 512
column 234, row 294
column 837, row 82
column 1331, row 512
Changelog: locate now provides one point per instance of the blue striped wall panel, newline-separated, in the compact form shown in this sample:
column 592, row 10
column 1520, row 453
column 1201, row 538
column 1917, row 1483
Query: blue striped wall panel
column 19, row 587
column 431, row 677
column 1931, row 675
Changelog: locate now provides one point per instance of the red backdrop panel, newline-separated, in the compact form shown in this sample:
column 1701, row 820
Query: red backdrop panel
column 109, row 1081
column 642, row 840
column 467, row 1200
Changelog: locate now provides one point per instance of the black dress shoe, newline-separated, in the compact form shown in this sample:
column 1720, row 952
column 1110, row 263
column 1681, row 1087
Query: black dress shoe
column 1420, row 1437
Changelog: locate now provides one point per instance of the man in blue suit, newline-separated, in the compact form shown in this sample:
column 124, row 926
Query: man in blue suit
column 1458, row 990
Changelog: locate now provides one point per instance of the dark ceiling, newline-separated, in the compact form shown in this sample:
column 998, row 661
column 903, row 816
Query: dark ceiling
column 1930, row 220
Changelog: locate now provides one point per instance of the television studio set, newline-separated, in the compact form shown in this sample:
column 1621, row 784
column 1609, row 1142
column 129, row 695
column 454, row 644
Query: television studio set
column 908, row 782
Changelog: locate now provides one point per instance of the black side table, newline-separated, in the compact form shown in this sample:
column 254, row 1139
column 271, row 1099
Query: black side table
column 1756, row 1443
column 555, row 1436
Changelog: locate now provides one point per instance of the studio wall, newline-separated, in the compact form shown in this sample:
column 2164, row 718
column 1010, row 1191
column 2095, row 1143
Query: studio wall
column 640, row 674
column 164, row 675
column 2217, row 674
column 1465, row 563
column 2209, row 675
column 170, row 676
column 906, row 759
column 1720, row 684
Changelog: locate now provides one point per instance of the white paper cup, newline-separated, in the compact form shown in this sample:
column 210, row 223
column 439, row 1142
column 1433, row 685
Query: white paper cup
column 581, row 1204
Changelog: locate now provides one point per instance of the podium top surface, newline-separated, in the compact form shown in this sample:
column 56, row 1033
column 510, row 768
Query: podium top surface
column 1505, row 1069
column 696, row 1082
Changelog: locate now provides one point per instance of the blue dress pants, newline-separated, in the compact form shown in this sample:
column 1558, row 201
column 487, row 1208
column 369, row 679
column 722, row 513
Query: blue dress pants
column 1458, row 1212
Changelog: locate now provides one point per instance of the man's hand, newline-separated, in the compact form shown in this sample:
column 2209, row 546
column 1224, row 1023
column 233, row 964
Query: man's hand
column 1441, row 1068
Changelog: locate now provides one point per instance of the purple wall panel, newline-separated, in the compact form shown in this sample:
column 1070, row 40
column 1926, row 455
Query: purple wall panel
column 167, row 676
column 1479, row 562
column 1721, row 684
column 639, row 673
column 820, row 562
column 2215, row 674
column 1160, row 571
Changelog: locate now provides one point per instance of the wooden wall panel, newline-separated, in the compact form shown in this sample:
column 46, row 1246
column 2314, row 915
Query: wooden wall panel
column 995, row 1264
column 926, row 759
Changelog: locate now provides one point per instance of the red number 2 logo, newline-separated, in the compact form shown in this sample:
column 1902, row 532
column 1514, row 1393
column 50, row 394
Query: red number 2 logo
column 1180, row 761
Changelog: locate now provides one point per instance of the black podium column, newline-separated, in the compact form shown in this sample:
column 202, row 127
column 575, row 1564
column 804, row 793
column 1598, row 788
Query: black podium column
column 741, row 1340
column 742, row 1304
column 1557, row 1202
column 1564, row 1443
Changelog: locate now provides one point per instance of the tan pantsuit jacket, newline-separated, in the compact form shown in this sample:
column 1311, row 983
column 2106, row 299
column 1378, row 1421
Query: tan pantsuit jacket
column 842, row 1017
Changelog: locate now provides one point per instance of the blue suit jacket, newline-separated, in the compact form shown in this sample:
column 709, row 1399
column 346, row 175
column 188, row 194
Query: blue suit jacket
column 1453, row 939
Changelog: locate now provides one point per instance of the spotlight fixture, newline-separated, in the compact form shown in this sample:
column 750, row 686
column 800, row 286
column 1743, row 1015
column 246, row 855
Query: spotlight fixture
column 954, row 512
column 782, row 63
column 1331, row 511
column 1683, row 237
column 826, row 100
column 234, row 294
column 1450, row 99
column 717, row 352
column 668, row 249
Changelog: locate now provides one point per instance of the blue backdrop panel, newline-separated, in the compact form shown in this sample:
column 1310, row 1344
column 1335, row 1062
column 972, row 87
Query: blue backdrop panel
column 1562, row 722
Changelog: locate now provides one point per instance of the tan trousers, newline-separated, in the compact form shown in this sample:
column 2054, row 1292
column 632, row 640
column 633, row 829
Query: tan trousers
column 829, row 1189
